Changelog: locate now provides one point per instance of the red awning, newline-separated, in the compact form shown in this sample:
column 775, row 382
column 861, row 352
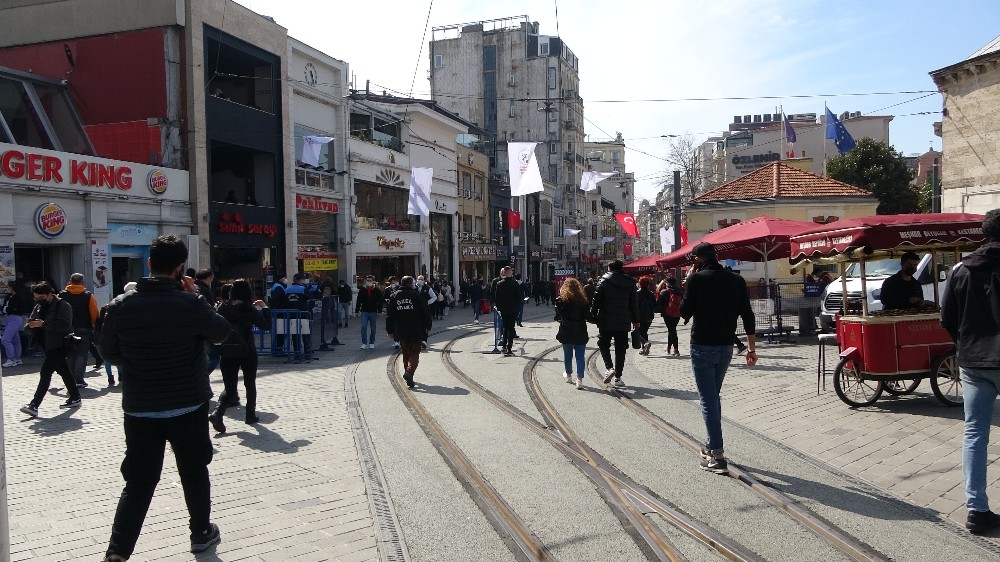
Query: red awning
column 759, row 239
column 886, row 232
column 642, row 265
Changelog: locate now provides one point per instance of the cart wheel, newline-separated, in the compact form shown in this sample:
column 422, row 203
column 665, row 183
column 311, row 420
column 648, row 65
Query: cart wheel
column 851, row 388
column 944, row 380
column 899, row 388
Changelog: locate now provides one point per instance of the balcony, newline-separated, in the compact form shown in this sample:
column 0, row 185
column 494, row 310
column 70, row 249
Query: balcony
column 568, row 156
column 379, row 139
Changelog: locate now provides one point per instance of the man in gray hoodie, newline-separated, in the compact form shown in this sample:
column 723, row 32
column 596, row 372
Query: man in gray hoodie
column 970, row 311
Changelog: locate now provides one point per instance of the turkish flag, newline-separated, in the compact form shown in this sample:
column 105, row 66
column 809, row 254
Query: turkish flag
column 627, row 220
column 513, row 219
column 684, row 235
column 627, row 248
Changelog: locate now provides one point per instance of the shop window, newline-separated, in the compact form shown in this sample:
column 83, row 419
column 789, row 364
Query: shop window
column 383, row 207
column 317, row 230
column 466, row 185
column 242, row 175
column 552, row 78
column 377, row 129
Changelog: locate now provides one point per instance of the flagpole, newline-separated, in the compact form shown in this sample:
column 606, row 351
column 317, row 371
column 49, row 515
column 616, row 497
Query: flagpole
column 524, row 223
column 784, row 135
column 825, row 125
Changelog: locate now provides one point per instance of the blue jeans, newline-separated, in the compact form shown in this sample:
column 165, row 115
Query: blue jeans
column 368, row 327
column 581, row 363
column 11, row 339
column 345, row 312
column 709, row 364
column 979, row 387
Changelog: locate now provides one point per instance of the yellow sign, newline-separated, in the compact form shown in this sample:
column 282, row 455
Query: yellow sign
column 320, row 264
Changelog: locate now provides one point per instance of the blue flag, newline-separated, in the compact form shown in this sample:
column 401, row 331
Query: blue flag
column 789, row 130
column 836, row 131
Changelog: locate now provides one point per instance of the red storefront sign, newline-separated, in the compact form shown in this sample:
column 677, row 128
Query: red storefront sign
column 307, row 203
column 232, row 223
column 18, row 165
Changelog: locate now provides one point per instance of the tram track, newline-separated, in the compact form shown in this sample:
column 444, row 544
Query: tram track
column 628, row 499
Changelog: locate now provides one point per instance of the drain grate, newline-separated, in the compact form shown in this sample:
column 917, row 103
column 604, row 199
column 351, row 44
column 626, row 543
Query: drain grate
column 390, row 544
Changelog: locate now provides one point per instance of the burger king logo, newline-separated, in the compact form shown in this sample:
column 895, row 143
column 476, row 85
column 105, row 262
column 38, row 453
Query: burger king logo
column 157, row 182
column 50, row 220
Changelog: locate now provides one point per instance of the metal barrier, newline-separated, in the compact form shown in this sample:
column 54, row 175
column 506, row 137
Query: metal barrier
column 290, row 335
column 777, row 309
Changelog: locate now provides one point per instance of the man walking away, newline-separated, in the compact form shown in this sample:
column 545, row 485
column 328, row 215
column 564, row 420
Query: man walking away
column 715, row 298
column 85, row 311
column 156, row 336
column 369, row 305
column 407, row 320
column 475, row 295
column 507, row 299
column 52, row 320
column 425, row 289
column 970, row 311
column 345, row 295
column 616, row 310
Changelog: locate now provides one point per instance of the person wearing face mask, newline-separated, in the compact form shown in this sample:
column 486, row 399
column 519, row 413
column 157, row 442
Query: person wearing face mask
column 369, row 306
column 901, row 290
column 52, row 319
column 424, row 288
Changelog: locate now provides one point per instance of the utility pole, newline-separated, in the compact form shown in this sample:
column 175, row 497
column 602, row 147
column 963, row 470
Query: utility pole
column 935, row 188
column 677, row 219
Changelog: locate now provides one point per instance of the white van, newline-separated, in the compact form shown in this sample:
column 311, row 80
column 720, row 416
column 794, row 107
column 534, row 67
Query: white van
column 876, row 271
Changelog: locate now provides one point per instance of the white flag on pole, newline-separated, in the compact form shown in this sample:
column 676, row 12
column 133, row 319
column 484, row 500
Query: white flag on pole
column 667, row 239
column 420, row 192
column 311, row 146
column 571, row 232
column 588, row 182
column 523, row 167
column 606, row 239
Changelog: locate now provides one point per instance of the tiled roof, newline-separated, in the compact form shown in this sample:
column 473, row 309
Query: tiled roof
column 780, row 180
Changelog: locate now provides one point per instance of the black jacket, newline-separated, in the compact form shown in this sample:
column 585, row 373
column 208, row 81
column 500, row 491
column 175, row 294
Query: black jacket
column 897, row 292
column 344, row 293
column 407, row 316
column 615, row 305
column 572, row 322
column 369, row 300
column 970, row 308
column 244, row 317
column 716, row 297
column 157, row 335
column 205, row 291
column 15, row 305
column 645, row 302
column 57, row 317
column 507, row 296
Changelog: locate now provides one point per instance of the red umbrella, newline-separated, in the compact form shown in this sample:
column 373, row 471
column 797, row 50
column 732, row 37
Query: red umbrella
column 762, row 238
column 884, row 232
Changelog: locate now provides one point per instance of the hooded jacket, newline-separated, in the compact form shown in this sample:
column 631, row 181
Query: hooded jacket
column 85, row 309
column 614, row 304
column 970, row 308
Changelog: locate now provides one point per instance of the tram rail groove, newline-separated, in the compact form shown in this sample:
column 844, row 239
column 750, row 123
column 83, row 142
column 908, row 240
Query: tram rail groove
column 850, row 546
column 610, row 479
column 514, row 532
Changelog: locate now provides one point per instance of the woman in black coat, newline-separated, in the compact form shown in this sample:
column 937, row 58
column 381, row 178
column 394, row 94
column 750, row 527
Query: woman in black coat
column 646, row 303
column 572, row 312
column 243, row 315
column 669, row 303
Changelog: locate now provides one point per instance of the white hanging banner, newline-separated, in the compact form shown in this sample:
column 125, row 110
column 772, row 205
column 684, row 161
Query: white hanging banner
column 311, row 146
column 606, row 239
column 102, row 273
column 667, row 239
column 523, row 167
column 420, row 192
column 571, row 232
column 588, row 182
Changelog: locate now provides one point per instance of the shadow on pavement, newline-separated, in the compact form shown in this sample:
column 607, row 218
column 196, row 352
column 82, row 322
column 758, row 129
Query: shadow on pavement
column 846, row 498
column 442, row 390
column 643, row 393
column 57, row 425
column 267, row 441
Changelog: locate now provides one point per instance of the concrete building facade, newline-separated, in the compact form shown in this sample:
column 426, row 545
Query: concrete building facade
column 970, row 131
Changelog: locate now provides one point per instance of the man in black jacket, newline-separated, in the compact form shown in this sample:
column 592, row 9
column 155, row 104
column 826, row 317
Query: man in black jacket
column 715, row 298
column 614, row 306
column 156, row 335
column 369, row 306
column 970, row 311
column 344, row 295
column 407, row 320
column 52, row 320
column 85, row 310
column 507, row 300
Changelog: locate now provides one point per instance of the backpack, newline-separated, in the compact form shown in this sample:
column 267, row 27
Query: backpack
column 234, row 346
column 484, row 306
column 673, row 308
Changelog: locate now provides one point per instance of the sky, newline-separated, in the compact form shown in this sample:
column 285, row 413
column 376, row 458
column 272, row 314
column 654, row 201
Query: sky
column 650, row 68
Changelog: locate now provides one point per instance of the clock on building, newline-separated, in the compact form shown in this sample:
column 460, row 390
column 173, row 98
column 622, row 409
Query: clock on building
column 312, row 77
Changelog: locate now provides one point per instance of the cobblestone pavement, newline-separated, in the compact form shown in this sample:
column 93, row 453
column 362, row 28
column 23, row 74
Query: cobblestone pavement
column 293, row 488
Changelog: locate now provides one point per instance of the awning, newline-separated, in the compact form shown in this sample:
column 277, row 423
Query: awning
column 887, row 232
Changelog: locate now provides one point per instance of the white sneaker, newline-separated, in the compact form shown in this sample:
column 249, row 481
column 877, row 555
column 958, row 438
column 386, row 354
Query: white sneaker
column 364, row 346
column 645, row 348
column 9, row 363
column 19, row 362
column 610, row 374
column 568, row 377
column 371, row 346
column 579, row 383
column 395, row 345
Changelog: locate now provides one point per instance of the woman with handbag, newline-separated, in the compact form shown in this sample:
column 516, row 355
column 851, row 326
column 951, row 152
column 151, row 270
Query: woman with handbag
column 572, row 313
column 238, row 351
column 646, row 303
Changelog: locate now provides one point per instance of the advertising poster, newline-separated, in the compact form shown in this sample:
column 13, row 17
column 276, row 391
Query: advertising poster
column 101, row 283
column 6, row 265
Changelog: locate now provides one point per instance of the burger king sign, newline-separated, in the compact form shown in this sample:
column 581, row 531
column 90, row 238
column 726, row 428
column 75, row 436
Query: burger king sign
column 157, row 182
column 50, row 220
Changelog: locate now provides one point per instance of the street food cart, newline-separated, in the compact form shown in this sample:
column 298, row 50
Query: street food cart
column 893, row 350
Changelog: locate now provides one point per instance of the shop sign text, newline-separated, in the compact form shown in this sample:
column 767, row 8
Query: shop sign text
column 389, row 244
column 232, row 223
column 50, row 220
column 18, row 165
column 307, row 203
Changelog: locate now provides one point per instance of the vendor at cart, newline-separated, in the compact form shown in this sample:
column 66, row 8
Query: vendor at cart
column 901, row 290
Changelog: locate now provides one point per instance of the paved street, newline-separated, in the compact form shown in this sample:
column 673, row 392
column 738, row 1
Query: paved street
column 338, row 470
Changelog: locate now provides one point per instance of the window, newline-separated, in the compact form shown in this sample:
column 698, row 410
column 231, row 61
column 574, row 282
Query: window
column 466, row 223
column 466, row 185
column 553, row 172
column 383, row 207
column 438, row 61
column 552, row 78
column 477, row 188
column 306, row 174
column 510, row 78
column 553, row 148
column 478, row 226
column 593, row 232
column 543, row 47
column 553, row 116
column 593, row 208
column 614, row 157
column 511, row 108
